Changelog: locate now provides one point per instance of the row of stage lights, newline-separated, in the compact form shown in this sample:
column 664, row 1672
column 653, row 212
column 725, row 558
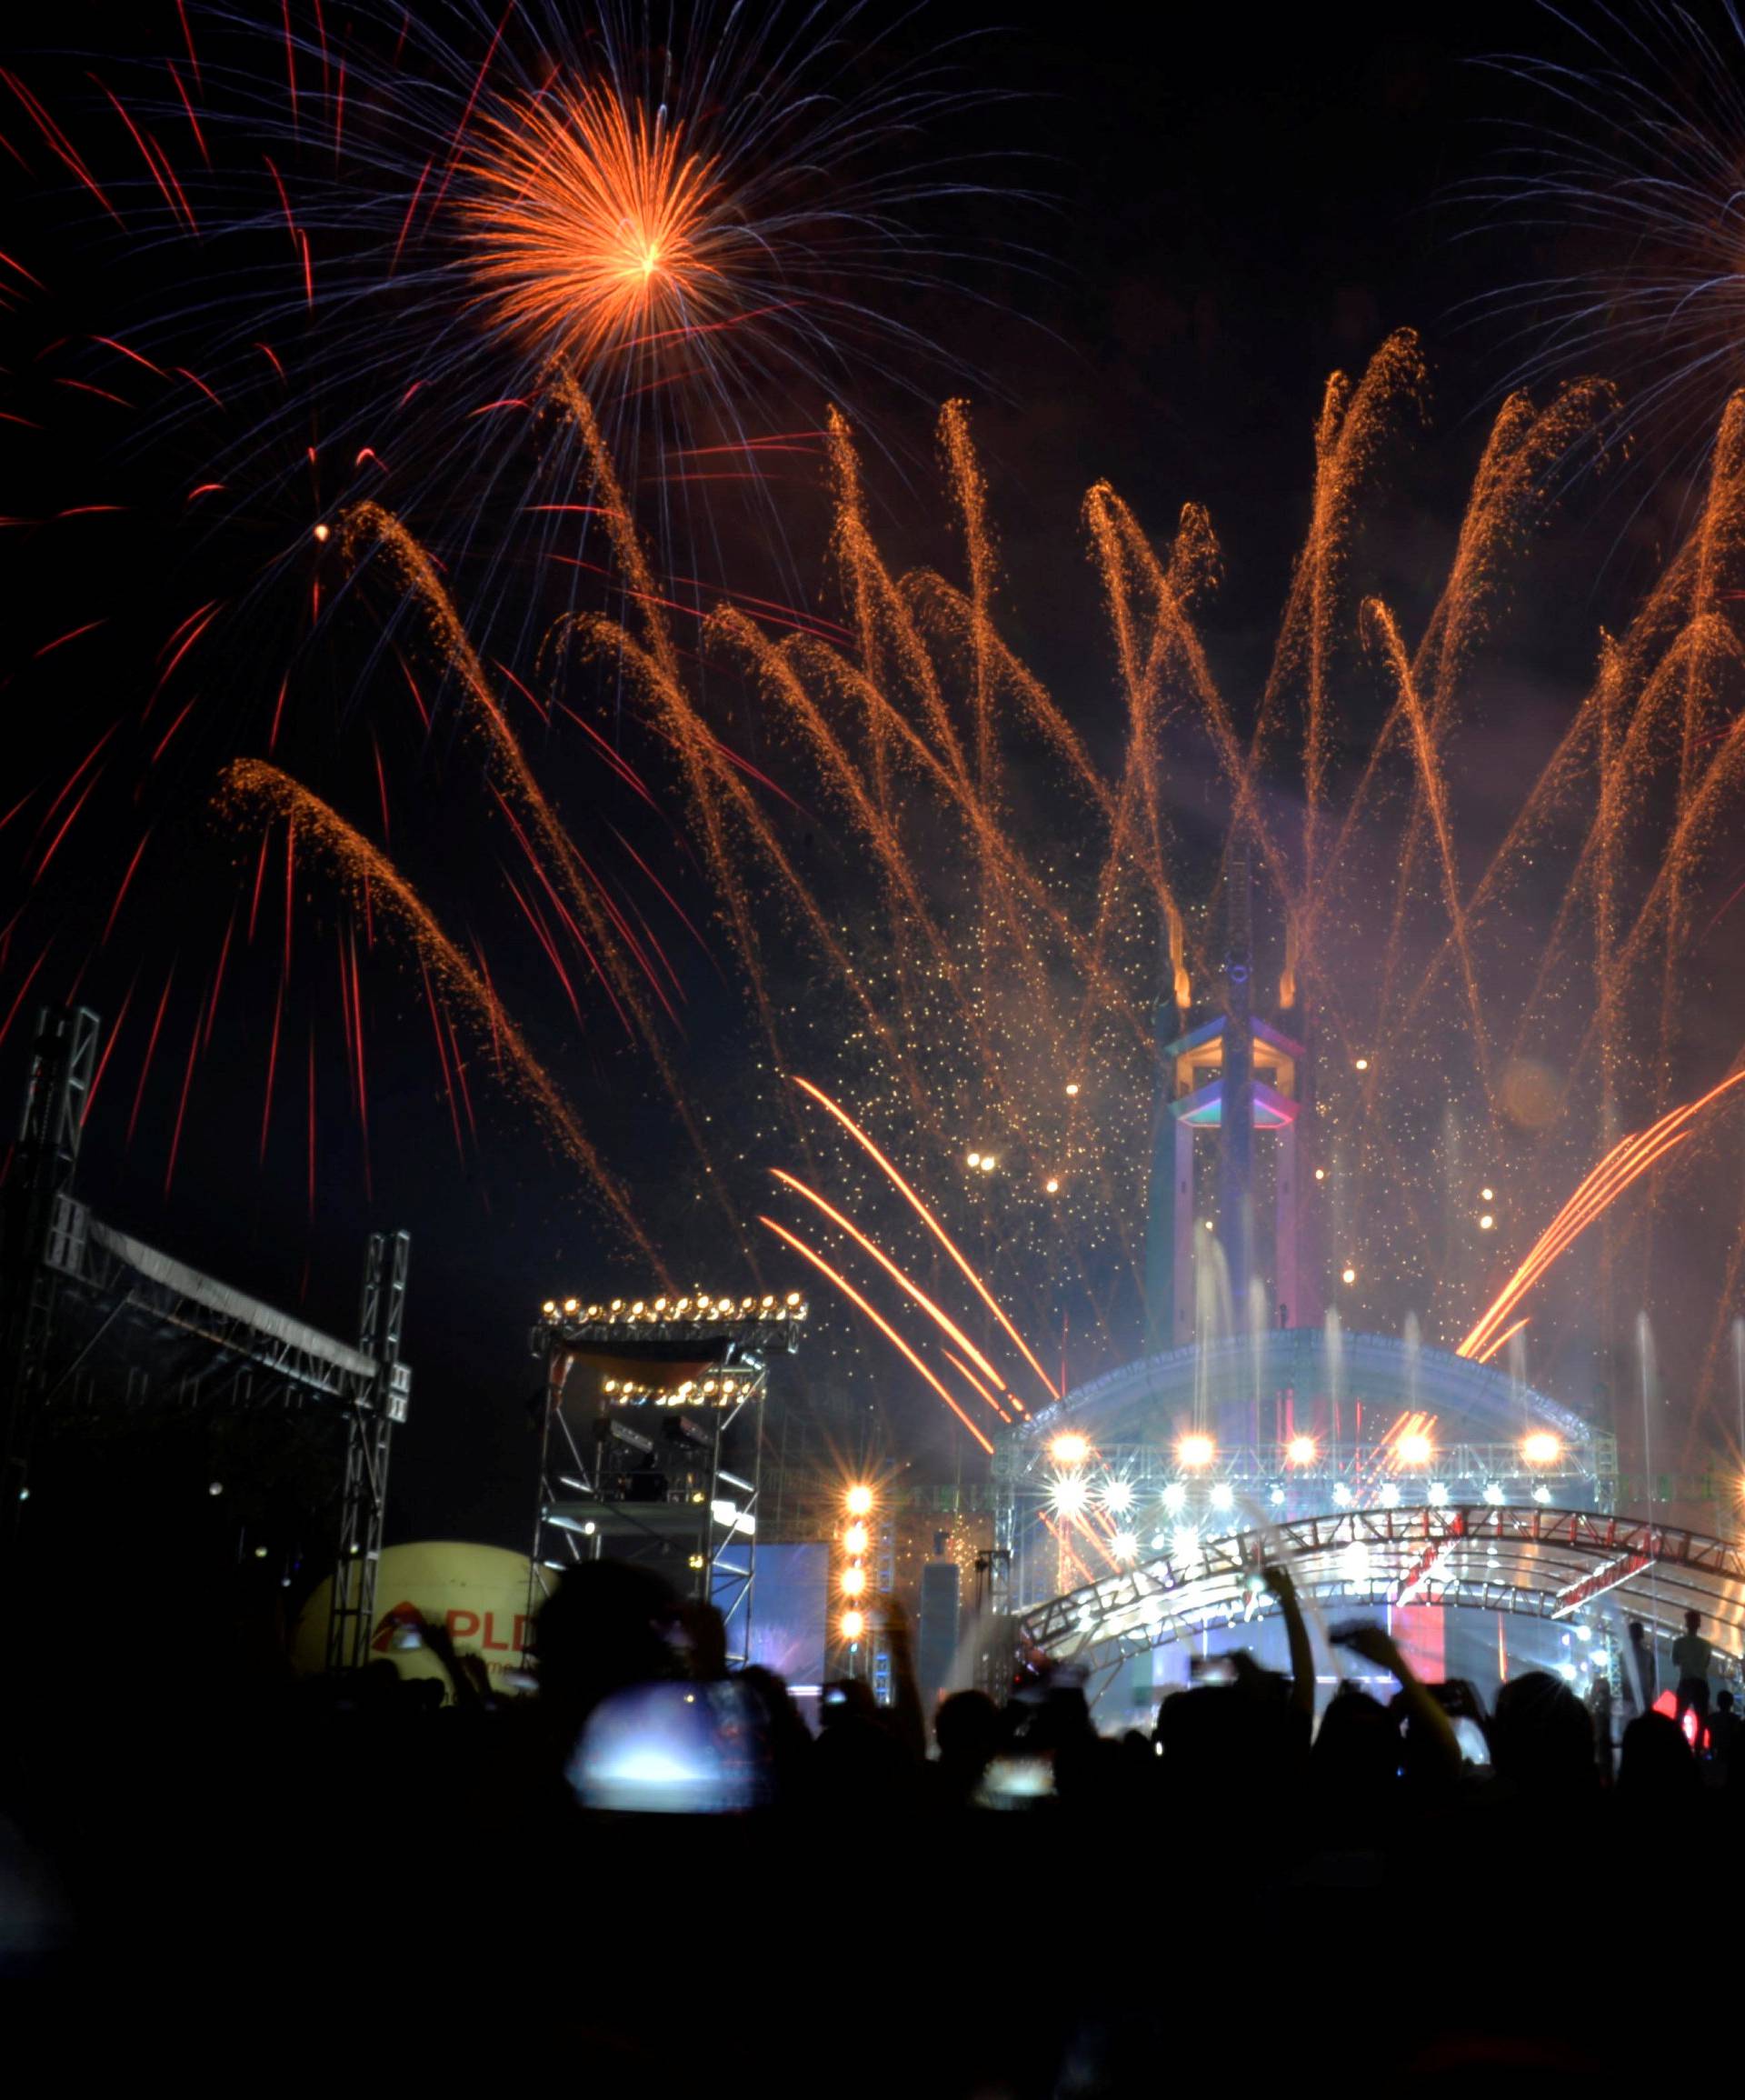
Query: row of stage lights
column 700, row 1307
column 1070, row 1496
column 691, row 1392
column 1195, row 1451
column 857, row 1539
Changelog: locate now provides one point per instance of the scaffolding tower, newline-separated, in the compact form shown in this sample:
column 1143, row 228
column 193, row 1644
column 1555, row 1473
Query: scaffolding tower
column 91, row 1317
column 651, row 1441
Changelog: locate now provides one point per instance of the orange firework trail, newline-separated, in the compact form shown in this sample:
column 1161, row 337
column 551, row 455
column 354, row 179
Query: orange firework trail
column 878, row 1320
column 939, row 1318
column 250, row 788
column 592, row 229
column 1625, row 1163
column 933, row 1226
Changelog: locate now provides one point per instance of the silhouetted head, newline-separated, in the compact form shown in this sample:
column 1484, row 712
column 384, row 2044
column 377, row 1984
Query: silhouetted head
column 1725, row 1701
column 1657, row 1768
column 967, row 1730
column 605, row 1628
column 1357, row 1746
column 1636, row 1632
column 1693, row 1622
column 1542, row 1737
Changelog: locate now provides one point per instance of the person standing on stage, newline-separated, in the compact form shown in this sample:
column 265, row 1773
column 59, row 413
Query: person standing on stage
column 1691, row 1657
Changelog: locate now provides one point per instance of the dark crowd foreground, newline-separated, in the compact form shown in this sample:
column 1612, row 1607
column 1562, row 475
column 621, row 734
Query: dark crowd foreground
column 1018, row 1907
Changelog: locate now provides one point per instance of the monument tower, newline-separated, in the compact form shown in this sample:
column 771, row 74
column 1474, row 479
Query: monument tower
column 1231, row 1075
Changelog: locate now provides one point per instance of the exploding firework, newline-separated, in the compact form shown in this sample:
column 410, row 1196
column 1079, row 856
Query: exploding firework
column 1626, row 169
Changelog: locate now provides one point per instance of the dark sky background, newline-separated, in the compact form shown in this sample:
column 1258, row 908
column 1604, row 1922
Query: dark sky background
column 1229, row 204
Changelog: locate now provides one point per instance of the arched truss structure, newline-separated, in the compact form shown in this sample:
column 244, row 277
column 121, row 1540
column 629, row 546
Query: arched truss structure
column 1550, row 1563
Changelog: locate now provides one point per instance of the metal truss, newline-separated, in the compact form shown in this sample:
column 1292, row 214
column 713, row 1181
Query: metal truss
column 1593, row 1458
column 1527, row 1560
column 590, row 1440
column 94, row 1317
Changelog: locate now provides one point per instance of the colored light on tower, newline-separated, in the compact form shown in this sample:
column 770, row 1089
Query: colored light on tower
column 854, row 1582
column 854, row 1540
column 858, row 1502
column 854, row 1624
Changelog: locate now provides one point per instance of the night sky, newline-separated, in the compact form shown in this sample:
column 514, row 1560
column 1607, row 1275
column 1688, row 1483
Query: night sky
column 1192, row 220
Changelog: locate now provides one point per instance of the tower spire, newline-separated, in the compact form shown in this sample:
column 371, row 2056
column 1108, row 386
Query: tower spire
column 1236, row 1116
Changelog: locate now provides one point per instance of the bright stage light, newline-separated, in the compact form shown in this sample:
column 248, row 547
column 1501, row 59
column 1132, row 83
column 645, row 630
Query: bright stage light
column 854, row 1540
column 1362, row 1063
column 1224, row 1495
column 1341, row 1494
column 1494, row 1493
column 976, row 1159
column 854, row 1582
column 1071, row 1495
column 1275, row 1495
column 1485, row 1221
column 854, row 1626
column 1053, row 1186
column 1541, row 1447
column 1124, row 1545
column 1194, row 1449
column 1542, row 1493
column 1301, row 1451
column 1069, row 1448
column 1321, row 1174
column 1072, row 1089
column 1175, row 1496
column 1486, row 1195
column 1413, row 1450
column 1184, row 1542
column 1438, row 1492
column 858, row 1502
column 1348, row 1275
column 1117, row 1495
column 1390, row 1495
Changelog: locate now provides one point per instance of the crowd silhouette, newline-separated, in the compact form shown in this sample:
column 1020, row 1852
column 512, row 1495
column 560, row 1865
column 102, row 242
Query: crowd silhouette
column 664, row 1847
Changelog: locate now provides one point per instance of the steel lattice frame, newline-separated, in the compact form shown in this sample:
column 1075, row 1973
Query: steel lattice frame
column 76, row 1290
column 576, row 1514
column 1549, row 1563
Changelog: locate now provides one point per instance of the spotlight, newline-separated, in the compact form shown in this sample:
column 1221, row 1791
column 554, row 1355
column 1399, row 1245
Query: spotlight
column 1541, row 1447
column 1414, row 1449
column 1052, row 1185
column 1224, row 1495
column 1069, row 1448
column 855, row 1541
column 858, row 1502
column 1124, row 1545
column 1494, row 1493
column 1175, row 1496
column 1072, row 1089
column 1486, row 1222
column 1301, row 1451
column 1194, row 1449
column 1117, row 1495
column 854, row 1626
column 1390, row 1495
column 1071, row 1495
column 853, row 1581
column 1347, row 1274
column 1362, row 1063
column 1438, row 1492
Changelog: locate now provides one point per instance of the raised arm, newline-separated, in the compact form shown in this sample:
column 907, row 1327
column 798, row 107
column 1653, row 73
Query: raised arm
column 1302, row 1661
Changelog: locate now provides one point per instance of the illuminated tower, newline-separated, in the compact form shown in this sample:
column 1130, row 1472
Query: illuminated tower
column 1230, row 1076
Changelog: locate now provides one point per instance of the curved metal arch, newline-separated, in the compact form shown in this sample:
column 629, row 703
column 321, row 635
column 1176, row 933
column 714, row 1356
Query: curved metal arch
column 1368, row 1366
column 1548, row 1563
